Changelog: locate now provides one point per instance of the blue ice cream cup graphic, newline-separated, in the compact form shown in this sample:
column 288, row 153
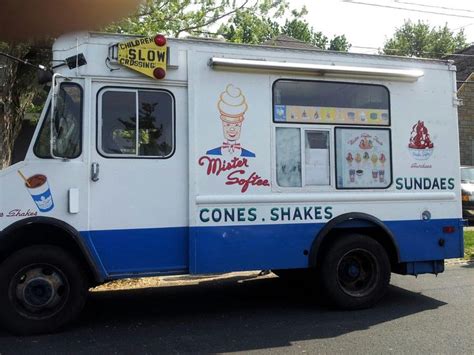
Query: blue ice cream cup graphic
column 38, row 187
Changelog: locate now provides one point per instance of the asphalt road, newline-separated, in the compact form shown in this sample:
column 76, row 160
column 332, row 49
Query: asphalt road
column 264, row 315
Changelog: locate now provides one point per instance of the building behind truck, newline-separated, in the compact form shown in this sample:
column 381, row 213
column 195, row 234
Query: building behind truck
column 158, row 156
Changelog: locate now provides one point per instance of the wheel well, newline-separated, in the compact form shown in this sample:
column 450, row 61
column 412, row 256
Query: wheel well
column 44, row 233
column 371, row 230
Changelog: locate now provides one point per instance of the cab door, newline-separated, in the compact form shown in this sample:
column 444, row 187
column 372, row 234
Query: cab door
column 139, row 184
column 47, row 186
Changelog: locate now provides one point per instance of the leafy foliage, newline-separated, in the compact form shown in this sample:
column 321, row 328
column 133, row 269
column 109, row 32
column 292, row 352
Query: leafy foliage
column 175, row 17
column 421, row 40
column 18, row 92
column 240, row 22
column 245, row 26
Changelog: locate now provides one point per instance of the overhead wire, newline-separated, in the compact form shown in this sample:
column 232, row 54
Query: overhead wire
column 432, row 6
column 380, row 49
column 406, row 9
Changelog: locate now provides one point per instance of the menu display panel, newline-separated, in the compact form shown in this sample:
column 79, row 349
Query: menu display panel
column 363, row 158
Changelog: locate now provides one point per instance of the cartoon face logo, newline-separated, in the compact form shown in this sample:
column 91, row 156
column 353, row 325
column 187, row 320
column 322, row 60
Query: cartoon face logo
column 231, row 130
column 232, row 106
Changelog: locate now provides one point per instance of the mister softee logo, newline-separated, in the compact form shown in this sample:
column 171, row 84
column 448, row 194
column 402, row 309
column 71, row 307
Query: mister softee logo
column 230, row 159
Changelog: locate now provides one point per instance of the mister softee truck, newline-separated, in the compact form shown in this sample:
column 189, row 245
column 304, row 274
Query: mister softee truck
column 184, row 156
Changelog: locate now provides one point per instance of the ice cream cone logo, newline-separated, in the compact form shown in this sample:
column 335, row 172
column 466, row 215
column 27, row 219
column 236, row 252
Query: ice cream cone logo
column 232, row 106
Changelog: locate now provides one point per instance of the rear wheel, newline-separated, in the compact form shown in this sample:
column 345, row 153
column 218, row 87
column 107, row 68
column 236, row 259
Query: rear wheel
column 42, row 288
column 355, row 272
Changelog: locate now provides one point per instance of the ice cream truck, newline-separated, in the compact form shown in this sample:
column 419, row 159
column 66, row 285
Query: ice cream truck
column 158, row 156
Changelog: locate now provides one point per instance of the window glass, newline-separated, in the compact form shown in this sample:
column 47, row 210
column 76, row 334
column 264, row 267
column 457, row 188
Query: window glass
column 155, row 123
column 119, row 122
column 467, row 174
column 68, row 121
column 288, row 157
column 290, row 171
column 363, row 158
column 330, row 102
column 137, row 123
column 316, row 157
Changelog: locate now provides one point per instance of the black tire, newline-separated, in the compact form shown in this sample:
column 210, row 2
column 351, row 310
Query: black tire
column 42, row 288
column 355, row 272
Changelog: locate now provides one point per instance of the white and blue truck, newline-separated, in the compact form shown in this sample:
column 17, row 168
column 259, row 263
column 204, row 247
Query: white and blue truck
column 158, row 156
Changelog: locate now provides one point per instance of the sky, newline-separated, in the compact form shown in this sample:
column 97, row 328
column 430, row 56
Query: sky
column 370, row 26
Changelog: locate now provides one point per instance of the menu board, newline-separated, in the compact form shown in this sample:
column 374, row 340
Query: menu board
column 363, row 158
column 335, row 115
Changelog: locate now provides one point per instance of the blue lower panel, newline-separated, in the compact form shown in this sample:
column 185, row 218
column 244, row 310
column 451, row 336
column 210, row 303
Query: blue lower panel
column 231, row 248
column 141, row 250
column 420, row 240
column 234, row 248
column 222, row 249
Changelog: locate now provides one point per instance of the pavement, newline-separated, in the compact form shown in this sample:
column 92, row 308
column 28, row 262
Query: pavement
column 247, row 313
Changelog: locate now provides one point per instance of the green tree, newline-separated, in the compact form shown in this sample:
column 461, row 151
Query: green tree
column 17, row 91
column 247, row 26
column 195, row 17
column 421, row 40
column 339, row 43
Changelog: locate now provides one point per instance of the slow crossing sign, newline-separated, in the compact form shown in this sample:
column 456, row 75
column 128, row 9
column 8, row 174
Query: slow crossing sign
column 145, row 55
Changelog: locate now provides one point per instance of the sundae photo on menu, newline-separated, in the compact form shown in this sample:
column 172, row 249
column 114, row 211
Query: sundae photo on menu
column 232, row 106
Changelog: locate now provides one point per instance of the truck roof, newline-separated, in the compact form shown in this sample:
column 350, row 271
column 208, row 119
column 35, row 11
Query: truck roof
column 98, row 51
column 66, row 42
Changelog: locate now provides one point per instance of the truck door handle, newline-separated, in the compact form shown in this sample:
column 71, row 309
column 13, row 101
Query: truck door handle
column 95, row 172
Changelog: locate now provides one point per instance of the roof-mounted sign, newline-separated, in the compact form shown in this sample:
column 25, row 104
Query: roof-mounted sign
column 146, row 55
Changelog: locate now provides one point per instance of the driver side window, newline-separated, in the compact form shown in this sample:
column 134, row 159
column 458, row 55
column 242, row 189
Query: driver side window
column 68, row 125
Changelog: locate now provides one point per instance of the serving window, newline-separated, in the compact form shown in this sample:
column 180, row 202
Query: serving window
column 302, row 157
column 323, row 102
column 136, row 123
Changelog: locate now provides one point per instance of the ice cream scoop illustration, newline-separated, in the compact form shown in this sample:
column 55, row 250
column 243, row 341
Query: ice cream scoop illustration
column 420, row 146
column 366, row 143
column 382, row 158
column 374, row 158
column 349, row 158
column 420, row 138
column 232, row 106
column 358, row 158
column 366, row 156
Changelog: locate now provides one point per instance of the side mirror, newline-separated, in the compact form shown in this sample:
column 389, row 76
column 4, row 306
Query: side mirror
column 44, row 76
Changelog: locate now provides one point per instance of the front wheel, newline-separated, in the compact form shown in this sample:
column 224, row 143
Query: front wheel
column 42, row 288
column 355, row 272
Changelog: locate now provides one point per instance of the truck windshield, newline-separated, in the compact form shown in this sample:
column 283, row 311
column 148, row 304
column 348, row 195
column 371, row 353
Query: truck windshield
column 467, row 174
column 68, row 121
